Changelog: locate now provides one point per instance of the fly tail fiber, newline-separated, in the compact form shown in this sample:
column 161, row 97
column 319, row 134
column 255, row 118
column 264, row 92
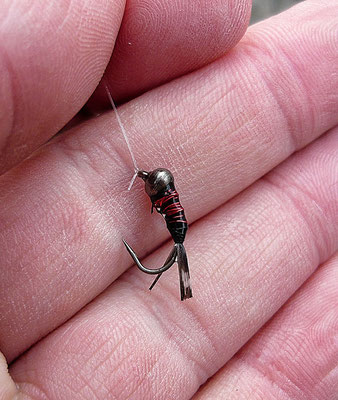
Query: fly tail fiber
column 183, row 270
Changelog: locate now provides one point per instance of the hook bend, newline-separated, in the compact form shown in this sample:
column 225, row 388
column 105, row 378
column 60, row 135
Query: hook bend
column 168, row 263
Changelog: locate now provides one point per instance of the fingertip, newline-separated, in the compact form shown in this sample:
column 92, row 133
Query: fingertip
column 159, row 43
column 52, row 58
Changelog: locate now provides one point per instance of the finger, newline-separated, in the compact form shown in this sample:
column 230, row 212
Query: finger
column 8, row 389
column 160, row 40
column 247, row 258
column 52, row 58
column 66, row 209
column 295, row 355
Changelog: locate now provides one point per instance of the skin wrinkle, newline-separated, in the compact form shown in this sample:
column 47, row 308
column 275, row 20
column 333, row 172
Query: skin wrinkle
column 66, row 15
column 14, row 78
column 13, row 258
column 86, row 64
column 81, row 366
column 199, row 327
column 333, row 349
column 308, row 198
column 81, row 160
column 331, row 371
column 300, row 210
column 277, row 375
column 235, row 233
column 259, row 256
column 76, row 233
column 278, row 385
column 71, row 350
column 137, row 386
column 39, row 393
column 148, row 328
column 216, row 101
column 273, row 340
column 173, row 122
column 272, row 381
column 170, row 333
column 165, row 330
column 98, row 23
column 268, row 261
column 236, row 129
column 317, row 205
column 130, row 44
column 256, row 392
column 109, row 353
column 281, row 106
column 121, row 388
column 294, row 63
column 280, row 374
column 101, row 381
column 111, row 148
column 81, row 214
column 10, row 98
column 308, row 39
column 88, row 390
column 303, row 87
column 128, row 391
column 75, row 154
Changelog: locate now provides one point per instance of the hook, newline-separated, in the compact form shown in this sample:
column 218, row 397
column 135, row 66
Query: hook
column 168, row 262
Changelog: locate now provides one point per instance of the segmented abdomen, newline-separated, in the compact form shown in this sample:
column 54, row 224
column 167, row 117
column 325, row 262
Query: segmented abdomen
column 170, row 207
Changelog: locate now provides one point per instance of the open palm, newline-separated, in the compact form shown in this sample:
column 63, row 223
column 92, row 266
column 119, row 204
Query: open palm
column 247, row 123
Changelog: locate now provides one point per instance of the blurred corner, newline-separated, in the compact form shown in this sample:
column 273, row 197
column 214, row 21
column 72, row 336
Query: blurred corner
column 262, row 9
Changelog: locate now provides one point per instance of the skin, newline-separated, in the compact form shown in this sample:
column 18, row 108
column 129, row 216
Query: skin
column 249, row 129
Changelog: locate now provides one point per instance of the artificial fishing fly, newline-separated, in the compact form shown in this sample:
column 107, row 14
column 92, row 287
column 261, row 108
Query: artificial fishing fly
column 159, row 185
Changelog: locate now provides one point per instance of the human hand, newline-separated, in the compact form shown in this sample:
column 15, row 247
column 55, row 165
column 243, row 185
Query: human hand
column 76, row 321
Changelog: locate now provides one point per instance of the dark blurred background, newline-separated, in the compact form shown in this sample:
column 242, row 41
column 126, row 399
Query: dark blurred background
column 262, row 9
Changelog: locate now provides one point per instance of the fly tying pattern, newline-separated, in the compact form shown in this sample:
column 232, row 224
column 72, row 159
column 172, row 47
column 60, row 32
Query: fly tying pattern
column 159, row 185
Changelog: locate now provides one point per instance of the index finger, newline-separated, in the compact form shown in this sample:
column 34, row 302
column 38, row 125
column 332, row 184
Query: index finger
column 67, row 48
column 160, row 40
column 52, row 57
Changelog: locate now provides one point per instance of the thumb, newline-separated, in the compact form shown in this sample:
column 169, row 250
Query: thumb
column 8, row 390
